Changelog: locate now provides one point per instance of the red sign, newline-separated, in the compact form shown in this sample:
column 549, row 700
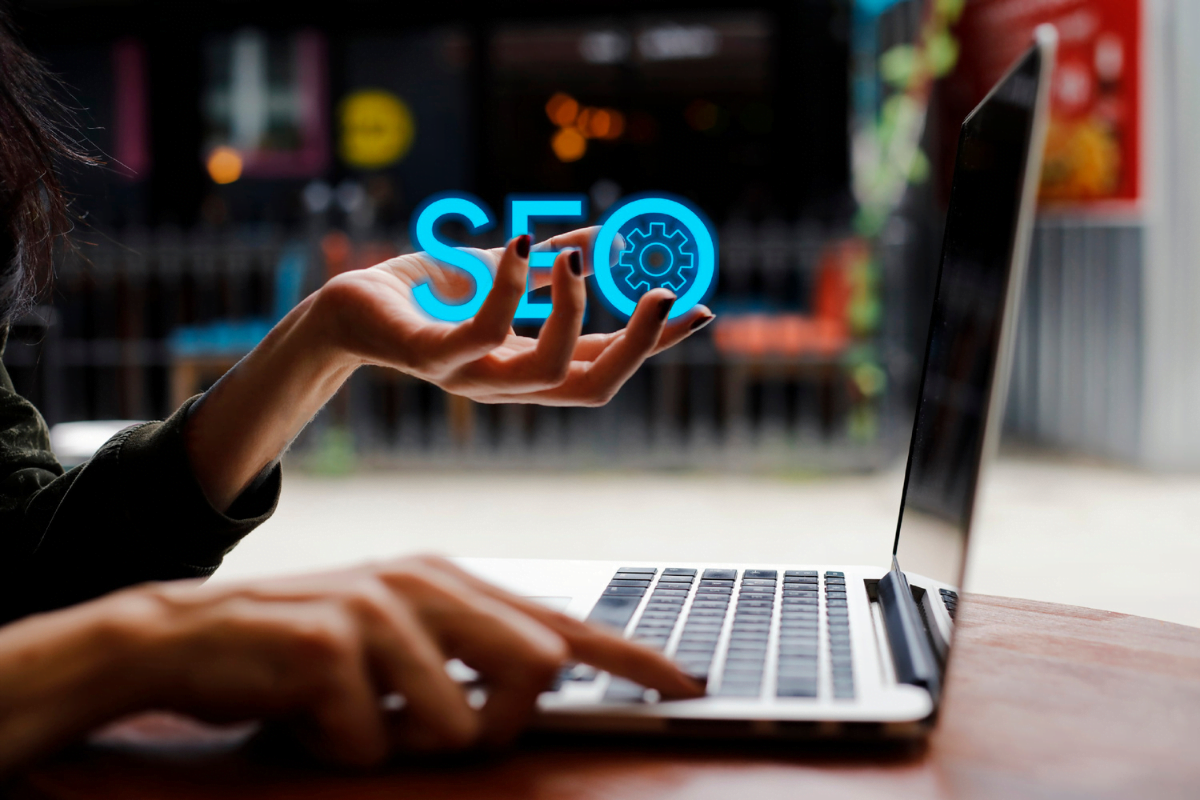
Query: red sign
column 1092, row 148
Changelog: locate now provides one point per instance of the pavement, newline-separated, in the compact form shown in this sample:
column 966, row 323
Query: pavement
column 1048, row 528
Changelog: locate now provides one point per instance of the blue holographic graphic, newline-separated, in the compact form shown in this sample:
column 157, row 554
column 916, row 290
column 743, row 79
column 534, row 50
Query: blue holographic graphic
column 424, row 234
column 674, row 248
column 522, row 210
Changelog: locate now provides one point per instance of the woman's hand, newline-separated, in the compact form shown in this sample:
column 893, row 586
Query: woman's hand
column 370, row 317
column 375, row 317
column 318, row 653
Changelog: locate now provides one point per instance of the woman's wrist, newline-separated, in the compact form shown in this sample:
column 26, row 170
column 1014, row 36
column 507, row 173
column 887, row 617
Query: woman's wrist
column 64, row 673
column 250, row 416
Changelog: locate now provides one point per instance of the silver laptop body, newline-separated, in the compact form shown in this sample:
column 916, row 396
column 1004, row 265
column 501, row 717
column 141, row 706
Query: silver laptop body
column 829, row 649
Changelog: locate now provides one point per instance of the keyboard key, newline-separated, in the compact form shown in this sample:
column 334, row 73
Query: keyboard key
column 692, row 629
column 628, row 582
column 760, row 573
column 805, row 581
column 706, row 613
column 800, row 601
column 793, row 641
column 800, row 573
column 661, row 612
column 753, row 660
column 746, row 628
column 647, row 624
column 614, row 611
column 758, row 582
column 625, row 691
column 835, row 581
column 580, row 672
column 660, row 592
column 720, row 574
column 702, row 602
column 686, row 580
column 799, row 650
column 679, row 571
column 799, row 671
column 835, row 603
column 717, row 584
column 835, row 574
column 798, row 622
column 748, row 637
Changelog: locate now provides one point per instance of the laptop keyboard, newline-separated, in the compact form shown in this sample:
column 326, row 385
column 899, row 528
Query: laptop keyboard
column 747, row 605
column 950, row 599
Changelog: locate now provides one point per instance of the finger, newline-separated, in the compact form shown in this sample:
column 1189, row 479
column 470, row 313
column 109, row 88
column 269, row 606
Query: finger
column 560, row 334
column 592, row 345
column 410, row 662
column 683, row 327
column 595, row 383
column 343, row 722
column 489, row 327
column 520, row 368
column 589, row 644
column 516, row 656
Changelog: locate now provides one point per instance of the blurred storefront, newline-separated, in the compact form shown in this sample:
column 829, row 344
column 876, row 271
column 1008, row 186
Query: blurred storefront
column 255, row 154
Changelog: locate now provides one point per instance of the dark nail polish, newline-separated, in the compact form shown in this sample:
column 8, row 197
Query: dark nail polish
column 664, row 307
column 700, row 322
column 523, row 245
column 576, row 262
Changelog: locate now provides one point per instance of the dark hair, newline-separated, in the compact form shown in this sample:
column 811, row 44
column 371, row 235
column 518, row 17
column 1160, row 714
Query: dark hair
column 34, row 215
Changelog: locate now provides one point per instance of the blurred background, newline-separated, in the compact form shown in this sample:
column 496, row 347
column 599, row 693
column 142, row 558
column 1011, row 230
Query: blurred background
column 254, row 150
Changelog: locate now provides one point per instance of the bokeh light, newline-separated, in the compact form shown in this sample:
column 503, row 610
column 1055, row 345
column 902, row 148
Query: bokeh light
column 569, row 145
column 224, row 165
column 562, row 109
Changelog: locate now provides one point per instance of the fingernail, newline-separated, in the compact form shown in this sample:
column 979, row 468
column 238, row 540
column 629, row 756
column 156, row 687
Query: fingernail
column 523, row 245
column 664, row 307
column 575, row 260
column 700, row 322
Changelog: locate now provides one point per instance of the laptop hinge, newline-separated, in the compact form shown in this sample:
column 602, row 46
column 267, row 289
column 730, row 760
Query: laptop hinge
column 912, row 652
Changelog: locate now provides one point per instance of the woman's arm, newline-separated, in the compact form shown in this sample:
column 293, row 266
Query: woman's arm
column 369, row 317
column 317, row 652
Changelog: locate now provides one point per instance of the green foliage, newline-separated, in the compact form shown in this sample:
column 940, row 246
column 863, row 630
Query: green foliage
column 898, row 66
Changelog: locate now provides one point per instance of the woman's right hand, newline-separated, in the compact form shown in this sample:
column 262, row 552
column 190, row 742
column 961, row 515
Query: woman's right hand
column 320, row 652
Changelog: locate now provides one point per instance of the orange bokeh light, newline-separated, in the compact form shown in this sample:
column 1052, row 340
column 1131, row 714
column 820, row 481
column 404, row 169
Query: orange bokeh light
column 616, row 124
column 562, row 109
column 583, row 122
column 569, row 145
column 224, row 165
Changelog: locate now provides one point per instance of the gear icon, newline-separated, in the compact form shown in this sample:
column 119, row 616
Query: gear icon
column 656, row 259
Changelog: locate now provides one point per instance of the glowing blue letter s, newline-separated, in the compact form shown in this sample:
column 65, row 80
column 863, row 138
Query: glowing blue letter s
column 424, row 234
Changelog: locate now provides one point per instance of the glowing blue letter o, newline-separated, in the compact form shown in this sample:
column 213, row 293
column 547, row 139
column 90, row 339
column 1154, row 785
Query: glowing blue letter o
column 706, row 252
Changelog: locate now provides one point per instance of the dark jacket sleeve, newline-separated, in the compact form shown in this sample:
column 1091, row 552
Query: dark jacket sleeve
column 131, row 514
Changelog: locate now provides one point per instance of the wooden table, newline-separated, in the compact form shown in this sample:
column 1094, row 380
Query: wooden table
column 1043, row 701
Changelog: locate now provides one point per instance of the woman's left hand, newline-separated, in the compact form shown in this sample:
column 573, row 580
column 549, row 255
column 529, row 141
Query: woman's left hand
column 374, row 316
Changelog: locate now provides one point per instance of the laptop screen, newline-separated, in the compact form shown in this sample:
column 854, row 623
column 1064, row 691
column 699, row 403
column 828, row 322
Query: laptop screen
column 964, row 344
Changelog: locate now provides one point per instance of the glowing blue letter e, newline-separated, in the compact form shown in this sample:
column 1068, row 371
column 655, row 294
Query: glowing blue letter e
column 521, row 212
column 424, row 234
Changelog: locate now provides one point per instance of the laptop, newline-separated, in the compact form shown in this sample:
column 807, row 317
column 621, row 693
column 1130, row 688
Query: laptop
column 832, row 649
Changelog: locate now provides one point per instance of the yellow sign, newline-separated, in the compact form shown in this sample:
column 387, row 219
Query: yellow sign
column 377, row 129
